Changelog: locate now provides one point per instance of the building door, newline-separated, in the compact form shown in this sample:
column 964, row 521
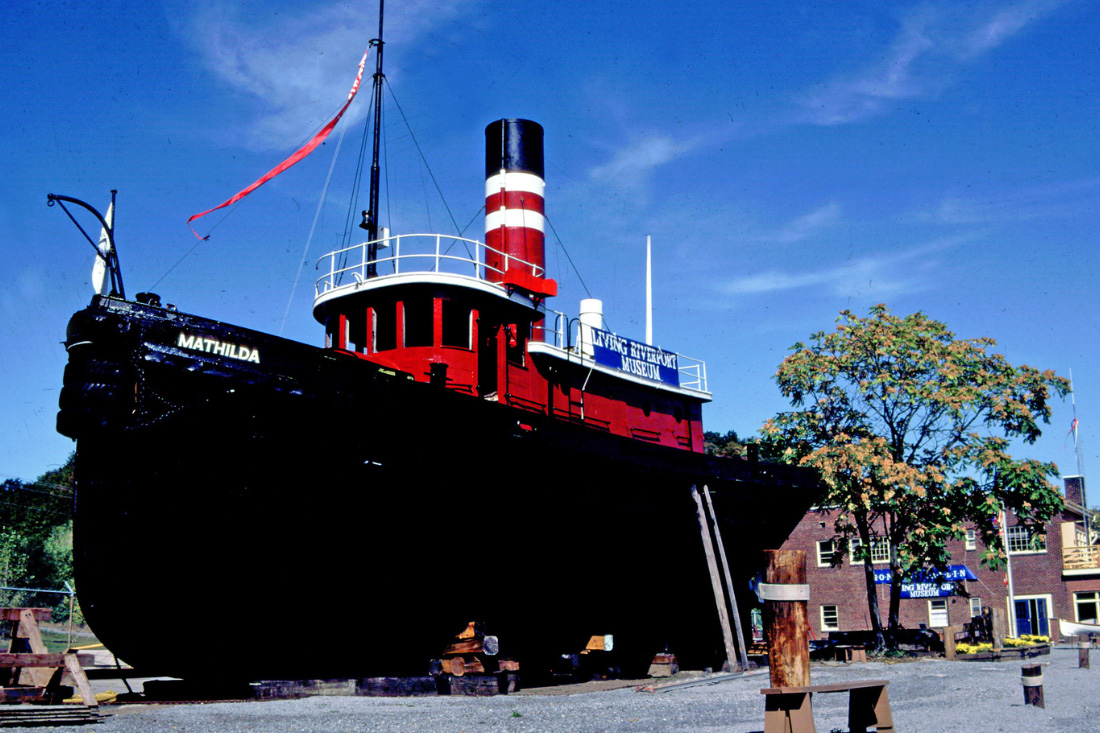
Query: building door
column 1031, row 616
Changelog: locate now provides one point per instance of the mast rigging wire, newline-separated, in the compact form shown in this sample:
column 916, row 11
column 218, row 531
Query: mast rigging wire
column 312, row 227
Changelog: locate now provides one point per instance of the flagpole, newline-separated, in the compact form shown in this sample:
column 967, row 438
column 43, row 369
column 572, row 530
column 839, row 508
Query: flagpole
column 1008, row 576
column 1077, row 455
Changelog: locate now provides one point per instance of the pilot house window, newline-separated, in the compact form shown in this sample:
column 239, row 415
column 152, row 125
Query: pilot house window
column 385, row 327
column 456, row 324
column 418, row 322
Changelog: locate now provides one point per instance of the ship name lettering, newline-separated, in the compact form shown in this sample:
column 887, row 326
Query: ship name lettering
column 218, row 348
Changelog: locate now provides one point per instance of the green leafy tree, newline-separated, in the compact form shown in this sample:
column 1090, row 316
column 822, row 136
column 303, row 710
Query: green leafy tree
column 910, row 429
column 36, row 537
column 716, row 444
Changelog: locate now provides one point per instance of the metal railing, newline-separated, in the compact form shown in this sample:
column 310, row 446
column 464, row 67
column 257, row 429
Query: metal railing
column 566, row 334
column 1081, row 558
column 431, row 253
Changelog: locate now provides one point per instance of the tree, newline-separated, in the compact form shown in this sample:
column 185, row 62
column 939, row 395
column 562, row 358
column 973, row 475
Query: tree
column 36, row 536
column 910, row 429
column 716, row 444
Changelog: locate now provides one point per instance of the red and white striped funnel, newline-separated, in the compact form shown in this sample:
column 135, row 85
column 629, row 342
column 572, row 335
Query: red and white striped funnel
column 515, row 225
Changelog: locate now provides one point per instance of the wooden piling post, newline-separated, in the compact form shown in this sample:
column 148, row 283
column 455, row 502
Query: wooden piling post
column 949, row 632
column 786, row 625
column 1032, row 679
column 999, row 629
column 1083, row 654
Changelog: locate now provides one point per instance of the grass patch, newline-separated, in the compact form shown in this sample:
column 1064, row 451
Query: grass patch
column 58, row 641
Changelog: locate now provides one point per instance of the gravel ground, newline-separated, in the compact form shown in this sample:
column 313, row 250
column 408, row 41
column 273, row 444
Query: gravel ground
column 926, row 695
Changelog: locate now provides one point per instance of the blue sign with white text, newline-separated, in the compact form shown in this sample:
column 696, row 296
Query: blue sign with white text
column 929, row 584
column 633, row 357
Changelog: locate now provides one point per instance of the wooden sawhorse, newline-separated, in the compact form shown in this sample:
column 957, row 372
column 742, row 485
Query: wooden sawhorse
column 788, row 709
column 28, row 652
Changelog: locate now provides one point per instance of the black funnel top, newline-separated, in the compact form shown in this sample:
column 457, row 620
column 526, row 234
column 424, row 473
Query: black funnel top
column 514, row 145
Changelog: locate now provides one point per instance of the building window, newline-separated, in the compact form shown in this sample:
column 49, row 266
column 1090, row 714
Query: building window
column 1023, row 540
column 830, row 618
column 975, row 607
column 880, row 550
column 937, row 613
column 826, row 553
column 1087, row 607
column 971, row 539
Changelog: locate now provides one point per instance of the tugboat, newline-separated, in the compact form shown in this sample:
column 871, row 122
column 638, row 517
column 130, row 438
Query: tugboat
column 249, row 507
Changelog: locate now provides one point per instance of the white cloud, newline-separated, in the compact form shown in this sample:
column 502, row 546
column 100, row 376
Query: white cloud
column 932, row 45
column 806, row 225
column 884, row 276
column 301, row 65
column 1004, row 24
column 1056, row 200
column 635, row 162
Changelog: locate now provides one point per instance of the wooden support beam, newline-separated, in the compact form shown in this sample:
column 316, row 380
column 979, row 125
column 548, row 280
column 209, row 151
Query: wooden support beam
column 739, row 638
column 16, row 614
column 715, row 581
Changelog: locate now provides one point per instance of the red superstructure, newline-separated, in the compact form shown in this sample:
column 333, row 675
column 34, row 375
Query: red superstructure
column 471, row 317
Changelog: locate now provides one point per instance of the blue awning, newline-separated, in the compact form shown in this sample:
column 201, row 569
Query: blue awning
column 929, row 583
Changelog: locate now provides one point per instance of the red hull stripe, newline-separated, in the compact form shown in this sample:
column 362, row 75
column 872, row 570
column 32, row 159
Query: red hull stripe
column 515, row 200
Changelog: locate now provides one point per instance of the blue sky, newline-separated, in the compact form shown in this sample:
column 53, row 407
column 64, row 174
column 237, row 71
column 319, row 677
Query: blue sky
column 789, row 160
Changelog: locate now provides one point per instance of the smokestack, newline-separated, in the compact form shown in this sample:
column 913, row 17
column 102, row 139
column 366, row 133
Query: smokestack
column 515, row 227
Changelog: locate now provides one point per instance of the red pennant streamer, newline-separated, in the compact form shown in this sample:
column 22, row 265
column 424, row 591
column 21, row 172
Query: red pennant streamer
column 297, row 156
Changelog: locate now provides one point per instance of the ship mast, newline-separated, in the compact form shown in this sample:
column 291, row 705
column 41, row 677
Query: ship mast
column 370, row 216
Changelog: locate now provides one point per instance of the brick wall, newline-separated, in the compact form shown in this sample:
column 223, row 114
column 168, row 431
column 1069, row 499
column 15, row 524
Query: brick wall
column 1035, row 576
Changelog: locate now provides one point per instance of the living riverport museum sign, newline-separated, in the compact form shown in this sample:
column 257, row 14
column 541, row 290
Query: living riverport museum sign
column 930, row 584
column 632, row 357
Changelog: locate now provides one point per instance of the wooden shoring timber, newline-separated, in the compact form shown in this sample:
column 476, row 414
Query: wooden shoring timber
column 715, row 581
column 739, row 638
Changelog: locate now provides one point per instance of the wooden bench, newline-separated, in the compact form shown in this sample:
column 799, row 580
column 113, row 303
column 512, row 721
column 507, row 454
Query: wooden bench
column 849, row 653
column 788, row 709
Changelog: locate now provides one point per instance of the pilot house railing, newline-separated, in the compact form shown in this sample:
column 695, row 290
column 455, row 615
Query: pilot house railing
column 411, row 253
column 566, row 334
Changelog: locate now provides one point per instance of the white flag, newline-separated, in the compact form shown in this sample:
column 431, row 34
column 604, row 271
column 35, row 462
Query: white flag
column 100, row 281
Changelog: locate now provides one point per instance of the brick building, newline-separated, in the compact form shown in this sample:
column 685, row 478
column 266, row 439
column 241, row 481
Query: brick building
column 1056, row 575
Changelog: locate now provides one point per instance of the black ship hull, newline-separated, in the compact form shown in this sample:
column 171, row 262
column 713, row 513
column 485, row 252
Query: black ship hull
column 248, row 507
